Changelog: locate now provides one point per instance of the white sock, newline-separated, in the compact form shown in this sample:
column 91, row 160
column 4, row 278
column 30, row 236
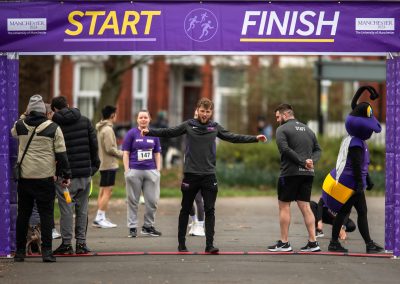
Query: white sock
column 101, row 215
column 201, row 223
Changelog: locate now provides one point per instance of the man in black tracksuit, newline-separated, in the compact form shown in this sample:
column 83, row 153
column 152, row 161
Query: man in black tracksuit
column 199, row 166
column 82, row 150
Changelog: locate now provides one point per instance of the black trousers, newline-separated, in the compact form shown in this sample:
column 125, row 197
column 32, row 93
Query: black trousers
column 360, row 204
column 321, row 213
column 208, row 186
column 43, row 191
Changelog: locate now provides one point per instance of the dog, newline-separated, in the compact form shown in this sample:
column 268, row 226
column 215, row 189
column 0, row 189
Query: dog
column 33, row 239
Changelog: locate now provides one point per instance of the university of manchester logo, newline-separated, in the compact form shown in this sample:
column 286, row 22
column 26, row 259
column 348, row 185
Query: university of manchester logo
column 373, row 26
column 26, row 25
column 200, row 25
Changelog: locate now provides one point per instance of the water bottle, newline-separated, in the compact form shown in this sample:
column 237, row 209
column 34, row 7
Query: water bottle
column 67, row 196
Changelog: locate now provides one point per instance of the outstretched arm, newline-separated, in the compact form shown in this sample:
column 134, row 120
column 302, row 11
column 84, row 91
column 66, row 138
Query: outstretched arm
column 238, row 138
column 165, row 132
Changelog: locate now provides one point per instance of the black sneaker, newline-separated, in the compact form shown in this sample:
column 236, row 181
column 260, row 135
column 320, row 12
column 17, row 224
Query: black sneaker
column 132, row 233
column 335, row 246
column 47, row 255
column 319, row 233
column 19, row 256
column 373, row 247
column 311, row 247
column 151, row 231
column 81, row 248
column 280, row 246
column 211, row 249
column 64, row 249
column 182, row 248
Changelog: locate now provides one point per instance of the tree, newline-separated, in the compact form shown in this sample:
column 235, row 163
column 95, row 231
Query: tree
column 115, row 67
column 35, row 77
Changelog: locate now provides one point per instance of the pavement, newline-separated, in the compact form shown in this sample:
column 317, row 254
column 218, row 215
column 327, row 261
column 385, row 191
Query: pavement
column 242, row 225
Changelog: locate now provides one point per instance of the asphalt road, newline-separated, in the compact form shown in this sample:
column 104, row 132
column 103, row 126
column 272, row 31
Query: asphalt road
column 242, row 225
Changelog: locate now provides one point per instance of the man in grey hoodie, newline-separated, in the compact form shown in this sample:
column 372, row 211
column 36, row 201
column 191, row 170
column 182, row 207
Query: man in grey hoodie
column 109, row 154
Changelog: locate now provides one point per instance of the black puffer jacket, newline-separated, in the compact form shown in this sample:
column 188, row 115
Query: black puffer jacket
column 80, row 140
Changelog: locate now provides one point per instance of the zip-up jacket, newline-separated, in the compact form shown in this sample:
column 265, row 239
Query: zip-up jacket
column 80, row 140
column 200, row 153
column 46, row 155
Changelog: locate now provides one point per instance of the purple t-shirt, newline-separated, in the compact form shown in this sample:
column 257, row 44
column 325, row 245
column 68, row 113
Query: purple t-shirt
column 142, row 149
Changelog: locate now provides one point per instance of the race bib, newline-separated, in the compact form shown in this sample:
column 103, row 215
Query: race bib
column 144, row 155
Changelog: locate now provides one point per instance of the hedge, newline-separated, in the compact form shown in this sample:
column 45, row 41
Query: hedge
column 258, row 164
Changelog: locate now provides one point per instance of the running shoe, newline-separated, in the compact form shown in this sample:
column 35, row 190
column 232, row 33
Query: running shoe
column 280, row 246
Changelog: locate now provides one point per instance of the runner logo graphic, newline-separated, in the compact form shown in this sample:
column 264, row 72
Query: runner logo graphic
column 200, row 25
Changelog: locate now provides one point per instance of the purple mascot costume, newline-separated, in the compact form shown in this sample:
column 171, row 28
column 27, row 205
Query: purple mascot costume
column 344, row 186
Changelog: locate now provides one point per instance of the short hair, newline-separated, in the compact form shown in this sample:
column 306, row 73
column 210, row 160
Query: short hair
column 206, row 103
column 107, row 111
column 143, row 110
column 59, row 103
column 285, row 108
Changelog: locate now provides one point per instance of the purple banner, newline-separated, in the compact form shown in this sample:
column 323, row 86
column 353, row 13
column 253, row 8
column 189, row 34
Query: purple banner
column 199, row 27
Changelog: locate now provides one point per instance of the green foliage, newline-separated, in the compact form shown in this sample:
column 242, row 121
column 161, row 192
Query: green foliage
column 257, row 165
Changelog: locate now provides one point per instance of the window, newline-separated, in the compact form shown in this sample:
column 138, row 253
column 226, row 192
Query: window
column 231, row 77
column 230, row 98
column 140, row 89
column 90, row 77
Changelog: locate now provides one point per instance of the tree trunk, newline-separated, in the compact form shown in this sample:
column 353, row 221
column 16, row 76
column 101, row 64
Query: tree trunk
column 115, row 67
column 35, row 77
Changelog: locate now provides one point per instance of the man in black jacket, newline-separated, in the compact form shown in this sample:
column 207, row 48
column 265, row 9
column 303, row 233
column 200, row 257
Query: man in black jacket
column 199, row 168
column 82, row 150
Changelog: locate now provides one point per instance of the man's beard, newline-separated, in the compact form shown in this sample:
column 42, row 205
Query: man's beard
column 205, row 122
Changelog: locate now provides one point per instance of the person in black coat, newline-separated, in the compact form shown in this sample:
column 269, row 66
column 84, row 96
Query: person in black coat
column 82, row 150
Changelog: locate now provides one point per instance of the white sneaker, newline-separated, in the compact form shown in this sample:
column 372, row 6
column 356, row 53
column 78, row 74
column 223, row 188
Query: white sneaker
column 198, row 230
column 55, row 234
column 191, row 229
column 104, row 224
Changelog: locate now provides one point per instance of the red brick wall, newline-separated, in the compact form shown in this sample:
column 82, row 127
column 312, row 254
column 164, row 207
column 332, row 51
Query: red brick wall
column 207, row 78
column 124, row 104
column 66, row 78
column 158, row 86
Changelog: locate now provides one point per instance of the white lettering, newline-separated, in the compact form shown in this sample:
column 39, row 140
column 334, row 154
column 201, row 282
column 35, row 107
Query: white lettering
column 305, row 23
column 282, row 27
column 332, row 23
column 247, row 22
column 300, row 128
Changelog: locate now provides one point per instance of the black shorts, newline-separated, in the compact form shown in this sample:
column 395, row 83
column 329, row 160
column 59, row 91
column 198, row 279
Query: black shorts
column 295, row 188
column 107, row 178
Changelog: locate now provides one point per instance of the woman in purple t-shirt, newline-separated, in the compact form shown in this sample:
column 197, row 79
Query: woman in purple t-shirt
column 142, row 174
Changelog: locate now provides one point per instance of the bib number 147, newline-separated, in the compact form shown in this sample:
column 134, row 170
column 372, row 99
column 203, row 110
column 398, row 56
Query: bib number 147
column 145, row 155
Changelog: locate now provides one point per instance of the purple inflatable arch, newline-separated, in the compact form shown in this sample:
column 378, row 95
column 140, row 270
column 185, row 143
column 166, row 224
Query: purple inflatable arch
column 167, row 27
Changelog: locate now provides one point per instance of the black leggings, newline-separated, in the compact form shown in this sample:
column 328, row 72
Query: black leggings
column 199, row 207
column 360, row 204
column 191, row 185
